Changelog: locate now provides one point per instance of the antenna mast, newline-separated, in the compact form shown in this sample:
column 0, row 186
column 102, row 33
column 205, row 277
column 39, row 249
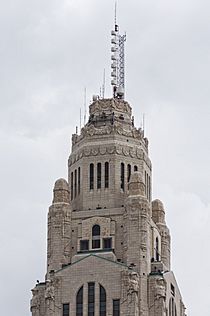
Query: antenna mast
column 118, row 60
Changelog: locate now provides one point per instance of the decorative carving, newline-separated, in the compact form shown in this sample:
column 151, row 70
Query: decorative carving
column 100, row 106
column 35, row 302
column 50, row 297
column 130, row 292
column 160, row 289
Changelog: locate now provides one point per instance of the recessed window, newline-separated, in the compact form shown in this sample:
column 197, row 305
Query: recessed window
column 106, row 175
column 102, row 311
column 72, row 185
column 122, row 177
column 91, row 299
column 79, row 180
column 79, row 302
column 99, row 175
column 91, row 176
column 135, row 168
column 128, row 173
column 96, row 232
column 157, row 255
column 84, row 245
column 116, row 307
column 66, row 309
column 107, row 243
column 75, row 183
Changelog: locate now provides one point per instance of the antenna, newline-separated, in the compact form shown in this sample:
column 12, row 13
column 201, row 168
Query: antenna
column 143, row 121
column 85, row 109
column 103, row 86
column 115, row 13
column 80, row 120
column 118, row 60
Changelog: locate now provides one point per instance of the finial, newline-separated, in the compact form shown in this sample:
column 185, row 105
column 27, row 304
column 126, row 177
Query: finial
column 118, row 60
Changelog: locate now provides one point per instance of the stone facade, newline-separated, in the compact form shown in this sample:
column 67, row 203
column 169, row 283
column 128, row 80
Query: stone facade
column 108, row 250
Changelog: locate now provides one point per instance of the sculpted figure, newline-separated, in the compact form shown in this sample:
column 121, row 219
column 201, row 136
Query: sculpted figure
column 50, row 297
column 160, row 288
column 133, row 291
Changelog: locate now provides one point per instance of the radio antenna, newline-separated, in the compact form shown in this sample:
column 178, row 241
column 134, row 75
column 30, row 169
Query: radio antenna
column 85, row 107
column 103, row 86
column 118, row 60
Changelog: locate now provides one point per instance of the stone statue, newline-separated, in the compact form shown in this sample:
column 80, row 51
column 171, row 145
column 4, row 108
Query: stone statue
column 133, row 292
column 50, row 297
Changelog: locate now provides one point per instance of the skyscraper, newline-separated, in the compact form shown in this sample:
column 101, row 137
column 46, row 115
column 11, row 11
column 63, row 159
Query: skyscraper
column 108, row 247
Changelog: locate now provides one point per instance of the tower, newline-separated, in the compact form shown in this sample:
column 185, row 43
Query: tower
column 108, row 250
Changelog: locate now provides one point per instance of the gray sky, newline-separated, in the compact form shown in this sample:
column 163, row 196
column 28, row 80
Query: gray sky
column 50, row 50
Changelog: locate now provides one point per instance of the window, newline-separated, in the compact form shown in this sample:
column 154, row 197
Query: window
column 91, row 299
column 145, row 182
column 106, row 175
column 116, row 307
column 79, row 302
column 96, row 232
column 149, row 189
column 157, row 256
column 122, row 185
column 135, row 168
column 65, row 309
column 72, row 185
column 147, row 186
column 75, row 183
column 102, row 311
column 128, row 173
column 172, row 307
column 107, row 243
column 172, row 289
column 99, row 175
column 84, row 245
column 79, row 180
column 91, row 176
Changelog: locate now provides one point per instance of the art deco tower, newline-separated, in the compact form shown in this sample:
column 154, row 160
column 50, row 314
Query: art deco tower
column 108, row 251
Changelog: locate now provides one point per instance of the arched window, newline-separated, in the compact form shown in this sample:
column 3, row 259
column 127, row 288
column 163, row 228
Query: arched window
column 122, row 178
column 157, row 256
column 96, row 232
column 128, row 173
column 99, row 175
column 91, row 176
column 91, row 299
column 75, row 183
column 135, row 168
column 106, row 175
column 72, row 185
column 102, row 311
column 79, row 302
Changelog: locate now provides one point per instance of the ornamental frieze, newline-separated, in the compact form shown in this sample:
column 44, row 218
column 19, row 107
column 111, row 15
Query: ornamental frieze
column 117, row 128
column 110, row 149
column 110, row 105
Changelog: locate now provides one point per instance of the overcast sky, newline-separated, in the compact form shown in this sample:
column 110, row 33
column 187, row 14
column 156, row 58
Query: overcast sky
column 49, row 51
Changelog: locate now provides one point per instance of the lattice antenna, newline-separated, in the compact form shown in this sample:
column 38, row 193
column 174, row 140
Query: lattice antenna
column 103, row 86
column 85, row 105
column 118, row 60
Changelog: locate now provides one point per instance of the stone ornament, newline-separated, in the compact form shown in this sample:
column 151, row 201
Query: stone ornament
column 35, row 302
column 110, row 105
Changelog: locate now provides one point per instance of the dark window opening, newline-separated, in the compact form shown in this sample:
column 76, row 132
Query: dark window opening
column 147, row 185
column 149, row 189
column 102, row 311
column 96, row 244
column 91, row 299
column 65, row 309
column 72, row 185
column 116, row 307
column 135, row 168
column 75, row 183
column 122, row 185
column 106, row 175
column 145, row 182
column 107, row 243
column 99, row 175
column 91, row 176
column 96, row 232
column 84, row 245
column 79, row 302
column 79, row 180
column 157, row 256
column 128, row 173
column 172, row 289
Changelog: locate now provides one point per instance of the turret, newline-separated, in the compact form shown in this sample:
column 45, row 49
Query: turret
column 158, row 216
column 137, row 234
column 59, row 223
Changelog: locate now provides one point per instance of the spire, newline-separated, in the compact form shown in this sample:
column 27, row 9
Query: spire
column 118, row 60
